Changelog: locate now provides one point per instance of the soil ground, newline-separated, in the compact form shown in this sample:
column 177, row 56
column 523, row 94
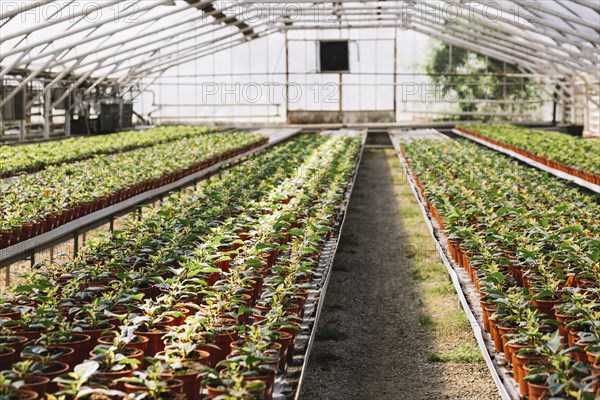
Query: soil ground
column 391, row 326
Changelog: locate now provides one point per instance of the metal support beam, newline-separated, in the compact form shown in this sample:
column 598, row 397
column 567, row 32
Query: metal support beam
column 47, row 114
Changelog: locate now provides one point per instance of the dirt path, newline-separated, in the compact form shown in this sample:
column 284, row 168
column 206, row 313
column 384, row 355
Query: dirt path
column 372, row 342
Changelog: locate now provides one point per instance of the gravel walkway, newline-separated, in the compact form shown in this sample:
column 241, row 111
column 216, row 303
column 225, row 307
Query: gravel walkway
column 370, row 344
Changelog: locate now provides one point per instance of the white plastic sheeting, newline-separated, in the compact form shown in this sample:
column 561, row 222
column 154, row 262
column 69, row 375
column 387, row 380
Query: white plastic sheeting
column 127, row 39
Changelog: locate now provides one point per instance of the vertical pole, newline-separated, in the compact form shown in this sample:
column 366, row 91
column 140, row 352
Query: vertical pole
column 75, row 243
column 7, row 276
column 554, row 104
column 504, row 83
column 340, row 106
column 1, row 118
column 111, row 224
column 68, row 120
column 586, row 109
column 47, row 113
column 26, row 117
column 287, row 76
column 573, row 102
column 22, row 130
column 394, row 88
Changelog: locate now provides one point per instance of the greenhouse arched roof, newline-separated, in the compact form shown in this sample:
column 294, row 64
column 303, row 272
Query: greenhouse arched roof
column 125, row 40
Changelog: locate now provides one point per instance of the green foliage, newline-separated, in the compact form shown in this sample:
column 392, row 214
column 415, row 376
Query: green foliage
column 464, row 75
column 14, row 159
column 577, row 152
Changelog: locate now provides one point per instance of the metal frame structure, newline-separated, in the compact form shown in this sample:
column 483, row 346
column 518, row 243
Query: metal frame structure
column 107, row 48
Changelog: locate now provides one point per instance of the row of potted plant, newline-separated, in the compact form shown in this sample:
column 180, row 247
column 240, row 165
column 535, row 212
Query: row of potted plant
column 573, row 155
column 34, row 204
column 35, row 157
column 531, row 245
column 211, row 285
column 151, row 310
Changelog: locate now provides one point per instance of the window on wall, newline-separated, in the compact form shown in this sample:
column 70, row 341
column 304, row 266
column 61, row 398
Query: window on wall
column 333, row 56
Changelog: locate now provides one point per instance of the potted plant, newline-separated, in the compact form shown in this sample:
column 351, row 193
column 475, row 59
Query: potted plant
column 112, row 363
column 125, row 338
column 80, row 384
column 65, row 336
column 187, row 371
column 10, row 391
column 154, row 384
column 21, row 373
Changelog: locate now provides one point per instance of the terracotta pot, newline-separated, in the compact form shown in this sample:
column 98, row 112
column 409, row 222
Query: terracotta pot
column 286, row 340
column 580, row 354
column 155, row 341
column 180, row 320
column 57, row 368
column 495, row 334
column 25, row 394
column 14, row 342
column 487, row 309
column 546, row 307
column 506, row 330
column 572, row 336
column 564, row 321
column 510, row 349
column 26, row 231
column 66, row 358
column 7, row 355
column 136, row 354
column 519, row 361
column 591, row 357
column 141, row 344
column 213, row 392
column 294, row 310
column 36, row 383
column 94, row 335
column 191, row 385
column 174, row 385
column 224, row 340
column 113, row 376
column 268, row 379
column 5, row 239
column 293, row 332
column 80, row 345
column 14, row 315
column 30, row 335
column 200, row 357
column 537, row 392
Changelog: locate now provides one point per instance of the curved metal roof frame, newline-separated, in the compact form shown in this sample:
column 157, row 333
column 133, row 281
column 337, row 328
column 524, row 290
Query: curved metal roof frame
column 558, row 38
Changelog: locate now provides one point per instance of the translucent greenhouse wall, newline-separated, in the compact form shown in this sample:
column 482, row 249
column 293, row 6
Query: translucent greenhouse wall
column 191, row 61
column 247, row 83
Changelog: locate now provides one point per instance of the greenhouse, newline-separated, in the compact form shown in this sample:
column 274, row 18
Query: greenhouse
column 307, row 200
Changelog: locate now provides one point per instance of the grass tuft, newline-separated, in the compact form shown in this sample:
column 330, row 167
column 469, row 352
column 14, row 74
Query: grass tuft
column 329, row 332
column 426, row 320
column 466, row 353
